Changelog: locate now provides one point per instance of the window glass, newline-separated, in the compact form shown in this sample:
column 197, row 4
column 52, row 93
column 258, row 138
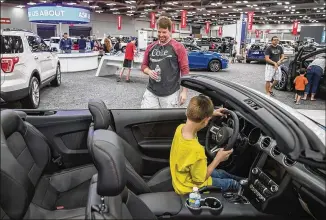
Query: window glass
column 34, row 43
column 11, row 44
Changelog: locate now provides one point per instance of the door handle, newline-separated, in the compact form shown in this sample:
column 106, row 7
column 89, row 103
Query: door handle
column 36, row 58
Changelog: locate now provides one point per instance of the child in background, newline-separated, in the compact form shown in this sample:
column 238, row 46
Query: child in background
column 300, row 85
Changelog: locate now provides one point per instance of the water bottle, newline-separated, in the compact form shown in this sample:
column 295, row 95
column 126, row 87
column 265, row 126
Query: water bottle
column 194, row 198
column 158, row 72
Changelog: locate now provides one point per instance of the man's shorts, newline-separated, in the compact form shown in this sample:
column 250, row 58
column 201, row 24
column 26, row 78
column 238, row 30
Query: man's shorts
column 300, row 92
column 271, row 73
column 127, row 63
column 152, row 101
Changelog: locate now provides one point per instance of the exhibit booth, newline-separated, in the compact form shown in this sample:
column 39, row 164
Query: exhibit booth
column 50, row 13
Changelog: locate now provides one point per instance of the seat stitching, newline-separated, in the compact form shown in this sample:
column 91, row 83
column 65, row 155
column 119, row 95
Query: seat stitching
column 21, row 153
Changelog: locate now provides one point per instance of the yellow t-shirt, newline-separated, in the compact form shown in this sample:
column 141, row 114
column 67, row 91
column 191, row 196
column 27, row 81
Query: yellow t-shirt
column 188, row 163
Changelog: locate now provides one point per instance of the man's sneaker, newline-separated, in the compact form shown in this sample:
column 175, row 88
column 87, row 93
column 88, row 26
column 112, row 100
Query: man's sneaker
column 118, row 79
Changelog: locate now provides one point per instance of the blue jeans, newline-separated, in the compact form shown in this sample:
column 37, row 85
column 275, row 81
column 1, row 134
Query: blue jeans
column 314, row 74
column 225, row 181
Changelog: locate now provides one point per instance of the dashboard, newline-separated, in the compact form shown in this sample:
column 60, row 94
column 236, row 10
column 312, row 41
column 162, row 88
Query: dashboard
column 273, row 173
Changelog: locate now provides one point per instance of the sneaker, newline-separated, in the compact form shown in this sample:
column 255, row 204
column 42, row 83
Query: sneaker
column 128, row 80
column 297, row 103
column 118, row 79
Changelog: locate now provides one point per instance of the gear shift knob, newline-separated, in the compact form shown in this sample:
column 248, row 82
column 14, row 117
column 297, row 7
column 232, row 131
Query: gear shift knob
column 242, row 183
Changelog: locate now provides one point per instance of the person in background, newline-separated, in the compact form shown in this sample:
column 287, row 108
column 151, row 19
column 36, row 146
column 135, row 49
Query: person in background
column 82, row 44
column 274, row 55
column 117, row 45
column 315, row 71
column 234, row 51
column 65, row 44
column 171, row 58
column 300, row 84
column 107, row 45
column 129, row 57
column 91, row 41
column 188, row 161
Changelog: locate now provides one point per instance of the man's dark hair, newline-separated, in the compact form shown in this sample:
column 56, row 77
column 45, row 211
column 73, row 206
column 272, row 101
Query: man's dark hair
column 164, row 22
column 274, row 37
column 64, row 33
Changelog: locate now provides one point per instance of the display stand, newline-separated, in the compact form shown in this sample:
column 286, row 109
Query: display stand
column 76, row 62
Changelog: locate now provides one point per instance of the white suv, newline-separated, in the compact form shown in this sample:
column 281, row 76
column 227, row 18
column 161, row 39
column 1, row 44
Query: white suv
column 27, row 64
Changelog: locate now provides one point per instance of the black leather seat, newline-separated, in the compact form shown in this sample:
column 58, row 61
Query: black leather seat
column 108, row 196
column 26, row 192
column 160, row 182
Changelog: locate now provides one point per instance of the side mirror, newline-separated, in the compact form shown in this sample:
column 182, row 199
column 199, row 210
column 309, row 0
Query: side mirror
column 54, row 49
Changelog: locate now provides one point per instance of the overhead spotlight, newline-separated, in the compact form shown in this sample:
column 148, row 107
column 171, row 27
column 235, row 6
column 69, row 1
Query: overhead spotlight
column 20, row 6
column 29, row 3
column 279, row 3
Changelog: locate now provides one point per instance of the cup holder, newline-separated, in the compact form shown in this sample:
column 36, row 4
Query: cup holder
column 210, row 203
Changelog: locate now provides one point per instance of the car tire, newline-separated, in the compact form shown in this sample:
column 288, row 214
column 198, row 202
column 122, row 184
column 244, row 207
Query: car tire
column 123, row 49
column 57, row 80
column 248, row 61
column 33, row 99
column 214, row 66
column 281, row 85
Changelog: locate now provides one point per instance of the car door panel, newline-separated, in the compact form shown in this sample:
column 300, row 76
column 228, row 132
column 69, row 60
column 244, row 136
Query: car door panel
column 66, row 131
column 151, row 132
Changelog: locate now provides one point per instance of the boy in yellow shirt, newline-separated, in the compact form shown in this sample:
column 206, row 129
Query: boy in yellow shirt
column 188, row 162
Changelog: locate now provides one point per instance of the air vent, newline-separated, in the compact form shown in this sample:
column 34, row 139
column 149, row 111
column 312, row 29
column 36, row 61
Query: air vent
column 275, row 151
column 288, row 161
column 252, row 104
column 265, row 142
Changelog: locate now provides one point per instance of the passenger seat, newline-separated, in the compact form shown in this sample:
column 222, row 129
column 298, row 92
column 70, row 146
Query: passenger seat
column 26, row 193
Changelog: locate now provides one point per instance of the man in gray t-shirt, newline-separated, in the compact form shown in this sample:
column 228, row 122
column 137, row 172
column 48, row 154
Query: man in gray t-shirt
column 274, row 55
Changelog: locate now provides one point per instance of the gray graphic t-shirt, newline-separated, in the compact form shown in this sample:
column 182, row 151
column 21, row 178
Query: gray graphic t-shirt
column 172, row 59
column 274, row 53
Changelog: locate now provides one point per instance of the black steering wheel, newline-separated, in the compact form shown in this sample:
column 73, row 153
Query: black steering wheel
column 222, row 136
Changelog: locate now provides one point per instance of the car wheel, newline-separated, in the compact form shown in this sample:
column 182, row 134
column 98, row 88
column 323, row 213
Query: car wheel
column 123, row 49
column 248, row 61
column 32, row 100
column 214, row 66
column 57, row 80
column 281, row 85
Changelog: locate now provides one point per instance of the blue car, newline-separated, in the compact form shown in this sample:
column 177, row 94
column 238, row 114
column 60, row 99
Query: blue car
column 199, row 59
column 256, row 53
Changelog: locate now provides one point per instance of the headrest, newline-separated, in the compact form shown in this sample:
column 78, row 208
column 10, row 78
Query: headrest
column 110, row 163
column 11, row 122
column 100, row 113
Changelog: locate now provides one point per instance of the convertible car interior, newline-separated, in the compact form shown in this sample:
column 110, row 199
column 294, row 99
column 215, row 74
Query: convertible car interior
column 101, row 163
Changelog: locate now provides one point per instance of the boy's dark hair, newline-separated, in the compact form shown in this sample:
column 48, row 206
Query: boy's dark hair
column 199, row 108
column 164, row 22
column 302, row 71
column 274, row 37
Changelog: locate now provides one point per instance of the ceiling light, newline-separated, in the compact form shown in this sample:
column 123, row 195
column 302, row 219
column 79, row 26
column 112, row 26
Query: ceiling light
column 279, row 3
column 287, row 3
column 99, row 11
column 300, row 16
column 85, row 1
column 318, row 11
column 286, row 6
column 71, row 3
column 245, row 1
column 29, row 3
column 93, row 6
column 116, row 13
column 111, row 4
column 230, row 6
column 298, row 12
column 268, row 11
column 224, row 7
column 293, row 6
column 257, row 8
column 186, row 6
column 20, row 6
column 255, row 5
column 248, row 5
column 324, row 15
column 113, row 9
column 292, row 12
column 287, row 10
column 274, row 13
column 238, row 2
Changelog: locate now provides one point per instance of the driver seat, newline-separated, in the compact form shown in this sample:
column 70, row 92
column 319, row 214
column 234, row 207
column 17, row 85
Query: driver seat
column 160, row 181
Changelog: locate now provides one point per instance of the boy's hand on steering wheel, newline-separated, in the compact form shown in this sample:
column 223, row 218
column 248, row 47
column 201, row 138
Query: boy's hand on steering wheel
column 223, row 155
column 220, row 112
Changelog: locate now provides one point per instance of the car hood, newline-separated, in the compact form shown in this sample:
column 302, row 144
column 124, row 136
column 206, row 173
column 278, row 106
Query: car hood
column 316, row 115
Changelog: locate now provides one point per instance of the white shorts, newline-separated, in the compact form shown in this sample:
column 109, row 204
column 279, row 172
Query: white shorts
column 152, row 101
column 271, row 73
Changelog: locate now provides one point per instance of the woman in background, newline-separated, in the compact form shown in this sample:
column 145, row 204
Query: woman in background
column 107, row 45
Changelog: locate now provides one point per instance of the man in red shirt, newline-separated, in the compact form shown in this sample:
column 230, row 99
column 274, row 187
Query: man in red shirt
column 165, row 61
column 129, row 57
